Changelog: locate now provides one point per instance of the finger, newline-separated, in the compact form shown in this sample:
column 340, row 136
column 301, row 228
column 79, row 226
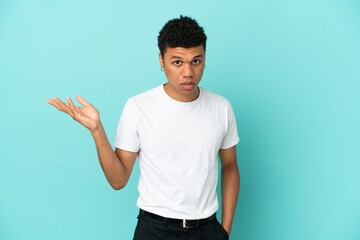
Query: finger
column 52, row 102
column 60, row 104
column 82, row 101
column 71, row 107
column 55, row 104
column 64, row 106
column 49, row 101
column 71, row 104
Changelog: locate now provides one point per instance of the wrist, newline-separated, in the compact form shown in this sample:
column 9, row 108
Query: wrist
column 97, row 129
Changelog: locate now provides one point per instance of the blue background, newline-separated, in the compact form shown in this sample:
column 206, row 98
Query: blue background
column 289, row 68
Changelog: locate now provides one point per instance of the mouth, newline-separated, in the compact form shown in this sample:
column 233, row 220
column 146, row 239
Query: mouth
column 187, row 85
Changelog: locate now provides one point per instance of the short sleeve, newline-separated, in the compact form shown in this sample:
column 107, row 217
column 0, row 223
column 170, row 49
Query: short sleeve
column 127, row 135
column 231, row 137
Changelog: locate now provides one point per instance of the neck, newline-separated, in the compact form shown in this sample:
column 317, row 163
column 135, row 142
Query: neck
column 174, row 94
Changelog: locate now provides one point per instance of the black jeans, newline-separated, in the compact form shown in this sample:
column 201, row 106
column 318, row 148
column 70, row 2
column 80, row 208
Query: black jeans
column 148, row 228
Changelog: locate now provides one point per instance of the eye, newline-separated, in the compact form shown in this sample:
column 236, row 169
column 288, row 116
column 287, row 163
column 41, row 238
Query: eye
column 196, row 61
column 177, row 62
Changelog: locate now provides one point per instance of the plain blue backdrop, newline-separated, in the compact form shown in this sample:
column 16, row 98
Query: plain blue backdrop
column 289, row 68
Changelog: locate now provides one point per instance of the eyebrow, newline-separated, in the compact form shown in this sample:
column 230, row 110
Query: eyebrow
column 177, row 57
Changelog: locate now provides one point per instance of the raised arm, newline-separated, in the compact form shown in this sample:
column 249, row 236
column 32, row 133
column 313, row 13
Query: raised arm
column 117, row 165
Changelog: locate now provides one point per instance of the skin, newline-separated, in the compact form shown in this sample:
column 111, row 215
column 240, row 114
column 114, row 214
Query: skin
column 181, row 65
column 230, row 185
column 117, row 165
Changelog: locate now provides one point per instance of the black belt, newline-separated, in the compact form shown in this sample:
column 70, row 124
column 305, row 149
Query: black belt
column 185, row 223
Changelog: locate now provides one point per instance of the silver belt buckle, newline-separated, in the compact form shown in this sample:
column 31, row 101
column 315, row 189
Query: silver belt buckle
column 184, row 223
column 185, row 226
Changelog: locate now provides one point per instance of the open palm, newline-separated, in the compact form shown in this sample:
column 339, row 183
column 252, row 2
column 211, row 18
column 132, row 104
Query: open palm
column 88, row 116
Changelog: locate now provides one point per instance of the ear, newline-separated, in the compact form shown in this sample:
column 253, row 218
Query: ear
column 161, row 60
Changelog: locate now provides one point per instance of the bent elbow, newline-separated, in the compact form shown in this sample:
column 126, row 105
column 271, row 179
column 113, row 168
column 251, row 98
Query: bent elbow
column 118, row 186
column 119, row 183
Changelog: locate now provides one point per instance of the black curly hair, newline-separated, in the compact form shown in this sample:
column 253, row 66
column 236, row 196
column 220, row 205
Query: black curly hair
column 181, row 32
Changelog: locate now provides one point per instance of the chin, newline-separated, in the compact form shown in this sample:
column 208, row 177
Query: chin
column 188, row 92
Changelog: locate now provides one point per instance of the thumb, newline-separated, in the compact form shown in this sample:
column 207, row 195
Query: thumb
column 82, row 101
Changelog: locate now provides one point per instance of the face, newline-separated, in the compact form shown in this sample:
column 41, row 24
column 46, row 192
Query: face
column 183, row 68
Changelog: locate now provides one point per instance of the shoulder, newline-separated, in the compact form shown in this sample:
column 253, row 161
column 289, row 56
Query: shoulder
column 214, row 98
column 147, row 97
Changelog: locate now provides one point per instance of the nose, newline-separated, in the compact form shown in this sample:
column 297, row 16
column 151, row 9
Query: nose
column 187, row 71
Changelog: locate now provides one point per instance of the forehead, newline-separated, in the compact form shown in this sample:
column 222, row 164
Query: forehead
column 184, row 52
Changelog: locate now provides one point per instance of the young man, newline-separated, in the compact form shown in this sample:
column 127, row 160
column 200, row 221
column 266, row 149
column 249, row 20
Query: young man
column 176, row 130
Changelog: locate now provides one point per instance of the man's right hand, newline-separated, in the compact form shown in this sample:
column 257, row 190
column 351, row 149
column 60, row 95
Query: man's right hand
column 88, row 116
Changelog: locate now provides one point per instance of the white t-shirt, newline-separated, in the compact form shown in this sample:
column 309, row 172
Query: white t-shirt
column 178, row 143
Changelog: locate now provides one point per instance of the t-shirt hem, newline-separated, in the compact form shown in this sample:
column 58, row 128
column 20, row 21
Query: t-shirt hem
column 230, row 145
column 126, row 147
column 169, row 214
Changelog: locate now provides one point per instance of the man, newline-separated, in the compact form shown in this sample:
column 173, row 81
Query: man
column 176, row 130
